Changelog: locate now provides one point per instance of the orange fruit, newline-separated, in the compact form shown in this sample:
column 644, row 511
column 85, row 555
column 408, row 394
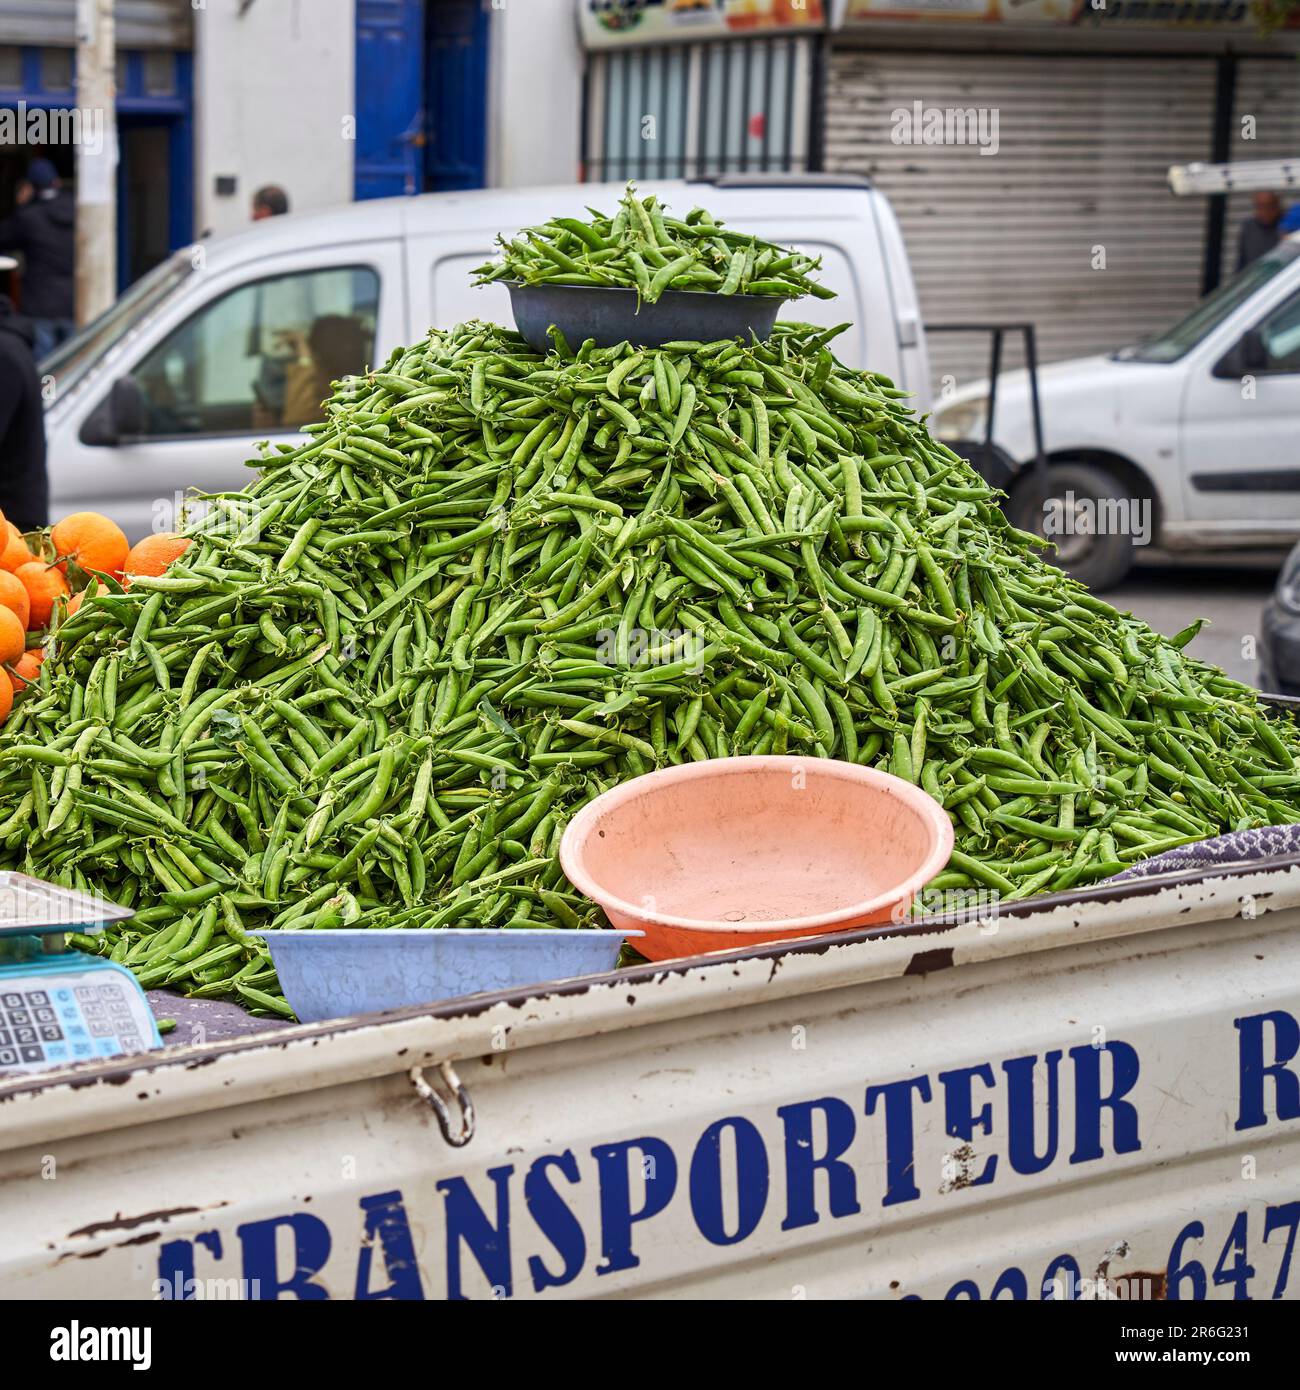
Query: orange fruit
column 44, row 584
column 13, row 549
column 27, row 669
column 6, row 696
column 13, row 637
column 14, row 595
column 153, row 554
column 92, row 540
column 94, row 587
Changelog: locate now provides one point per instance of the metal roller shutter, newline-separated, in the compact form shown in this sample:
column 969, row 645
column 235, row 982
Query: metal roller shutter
column 1268, row 90
column 1083, row 148
column 689, row 110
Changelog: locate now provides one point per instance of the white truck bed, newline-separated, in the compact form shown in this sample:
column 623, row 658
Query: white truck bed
column 1090, row 1096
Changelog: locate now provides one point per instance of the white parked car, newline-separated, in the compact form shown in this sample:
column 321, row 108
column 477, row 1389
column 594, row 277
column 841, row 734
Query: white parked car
column 235, row 340
column 1190, row 441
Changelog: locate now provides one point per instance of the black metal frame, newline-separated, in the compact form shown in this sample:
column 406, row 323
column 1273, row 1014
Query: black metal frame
column 1216, row 213
column 997, row 332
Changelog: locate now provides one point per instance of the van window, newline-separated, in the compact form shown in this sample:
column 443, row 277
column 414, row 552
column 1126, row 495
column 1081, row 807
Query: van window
column 261, row 357
column 1280, row 334
column 71, row 360
column 1179, row 340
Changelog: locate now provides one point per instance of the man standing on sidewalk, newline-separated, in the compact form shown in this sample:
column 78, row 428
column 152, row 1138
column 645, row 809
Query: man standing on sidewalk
column 24, row 489
column 42, row 230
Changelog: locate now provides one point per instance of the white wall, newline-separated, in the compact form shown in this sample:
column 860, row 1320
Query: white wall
column 534, row 93
column 274, row 87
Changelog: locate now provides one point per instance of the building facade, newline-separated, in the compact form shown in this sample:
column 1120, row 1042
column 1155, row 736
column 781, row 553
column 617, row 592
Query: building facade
column 344, row 99
column 1023, row 143
column 331, row 99
column 1059, row 212
column 154, row 117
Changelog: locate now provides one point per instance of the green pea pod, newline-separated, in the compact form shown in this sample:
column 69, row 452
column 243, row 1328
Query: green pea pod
column 202, row 938
column 363, row 810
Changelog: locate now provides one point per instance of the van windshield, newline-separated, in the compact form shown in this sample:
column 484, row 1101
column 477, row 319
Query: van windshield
column 73, row 359
column 1179, row 340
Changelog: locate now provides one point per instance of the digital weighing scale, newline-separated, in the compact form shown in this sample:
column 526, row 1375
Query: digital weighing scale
column 57, row 1004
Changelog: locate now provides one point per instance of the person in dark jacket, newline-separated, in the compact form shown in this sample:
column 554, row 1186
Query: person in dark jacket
column 42, row 229
column 1259, row 232
column 24, row 490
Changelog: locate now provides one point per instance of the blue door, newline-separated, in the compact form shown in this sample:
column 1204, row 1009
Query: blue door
column 389, row 98
column 421, row 96
column 456, row 123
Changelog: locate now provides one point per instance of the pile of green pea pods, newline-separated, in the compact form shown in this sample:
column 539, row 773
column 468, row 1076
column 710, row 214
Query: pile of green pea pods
column 494, row 584
column 644, row 249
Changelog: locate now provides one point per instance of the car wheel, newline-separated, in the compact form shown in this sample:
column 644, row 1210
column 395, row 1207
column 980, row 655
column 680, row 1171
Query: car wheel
column 1080, row 516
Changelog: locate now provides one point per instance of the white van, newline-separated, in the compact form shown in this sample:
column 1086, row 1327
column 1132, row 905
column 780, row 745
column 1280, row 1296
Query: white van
column 1190, row 441
column 235, row 340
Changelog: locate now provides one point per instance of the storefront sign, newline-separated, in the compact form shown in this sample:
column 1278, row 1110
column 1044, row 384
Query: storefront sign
column 615, row 23
column 628, row 23
column 1090, row 14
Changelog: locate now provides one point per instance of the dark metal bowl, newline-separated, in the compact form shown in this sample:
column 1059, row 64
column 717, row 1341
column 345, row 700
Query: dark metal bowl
column 611, row 316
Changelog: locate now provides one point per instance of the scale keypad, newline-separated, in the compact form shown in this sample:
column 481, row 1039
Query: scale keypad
column 73, row 1022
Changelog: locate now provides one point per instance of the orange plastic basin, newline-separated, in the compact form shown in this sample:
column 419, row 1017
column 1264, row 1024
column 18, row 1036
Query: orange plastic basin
column 732, row 852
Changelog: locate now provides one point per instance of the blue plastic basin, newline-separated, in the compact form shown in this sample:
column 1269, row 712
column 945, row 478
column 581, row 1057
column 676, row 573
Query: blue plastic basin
column 335, row 974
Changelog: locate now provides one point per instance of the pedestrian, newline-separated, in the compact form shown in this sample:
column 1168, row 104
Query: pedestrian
column 271, row 201
column 24, row 490
column 1259, row 232
column 42, row 229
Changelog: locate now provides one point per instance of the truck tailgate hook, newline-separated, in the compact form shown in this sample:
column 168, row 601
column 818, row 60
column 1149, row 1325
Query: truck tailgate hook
column 460, row 1136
